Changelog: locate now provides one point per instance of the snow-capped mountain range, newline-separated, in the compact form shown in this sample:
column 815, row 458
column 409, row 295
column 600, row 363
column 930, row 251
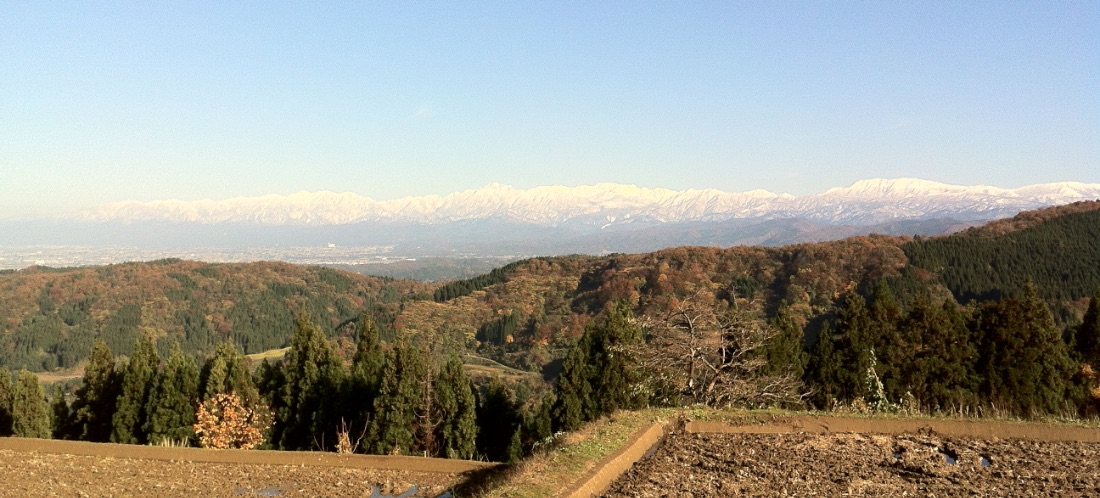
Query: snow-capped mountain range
column 863, row 203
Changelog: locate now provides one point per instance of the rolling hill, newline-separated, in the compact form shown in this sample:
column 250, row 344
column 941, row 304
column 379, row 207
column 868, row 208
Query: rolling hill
column 50, row 317
column 527, row 313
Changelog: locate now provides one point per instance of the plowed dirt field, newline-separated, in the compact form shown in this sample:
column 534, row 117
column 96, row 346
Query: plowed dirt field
column 824, row 456
column 42, row 468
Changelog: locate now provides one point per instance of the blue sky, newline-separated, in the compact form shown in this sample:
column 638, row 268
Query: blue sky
column 107, row 101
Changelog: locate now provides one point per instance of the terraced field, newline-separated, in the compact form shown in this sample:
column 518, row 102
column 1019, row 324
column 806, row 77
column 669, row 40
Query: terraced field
column 35, row 467
column 826, row 456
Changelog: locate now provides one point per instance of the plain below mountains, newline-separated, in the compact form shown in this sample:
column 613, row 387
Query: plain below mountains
column 499, row 221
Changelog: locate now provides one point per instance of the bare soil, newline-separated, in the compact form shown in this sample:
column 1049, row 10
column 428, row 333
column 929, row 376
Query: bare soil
column 34, row 467
column 825, row 456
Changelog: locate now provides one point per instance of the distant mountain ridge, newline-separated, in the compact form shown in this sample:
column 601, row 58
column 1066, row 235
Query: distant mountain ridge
column 863, row 203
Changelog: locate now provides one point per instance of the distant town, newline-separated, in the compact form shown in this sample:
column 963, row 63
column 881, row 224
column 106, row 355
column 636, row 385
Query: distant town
column 15, row 258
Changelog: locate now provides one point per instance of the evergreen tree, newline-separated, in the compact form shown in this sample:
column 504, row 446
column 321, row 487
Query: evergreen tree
column 427, row 412
column 574, row 404
column 137, row 383
column 535, row 428
column 305, row 406
column 174, row 399
column 540, row 426
column 227, row 372
column 499, row 413
column 614, row 369
column 365, row 376
column 213, row 375
column 892, row 352
column 62, row 415
column 395, row 425
column 6, row 389
column 785, row 352
column 940, row 370
column 838, row 364
column 29, row 409
column 1087, row 335
column 96, row 399
column 853, row 344
column 515, row 447
column 1023, row 362
column 270, row 382
column 822, row 369
column 457, row 433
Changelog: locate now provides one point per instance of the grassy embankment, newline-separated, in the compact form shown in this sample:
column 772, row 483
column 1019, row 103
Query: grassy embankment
column 572, row 456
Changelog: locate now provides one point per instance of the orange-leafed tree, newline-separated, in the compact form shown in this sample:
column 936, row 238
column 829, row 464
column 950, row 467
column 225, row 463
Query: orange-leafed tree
column 224, row 422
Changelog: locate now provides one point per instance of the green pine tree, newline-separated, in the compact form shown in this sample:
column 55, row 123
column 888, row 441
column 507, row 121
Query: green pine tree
column 212, row 377
column 1087, row 335
column 498, row 414
column 394, row 427
column 305, row 407
column 227, row 372
column 95, row 402
column 892, row 353
column 174, row 399
column 457, row 432
column 574, row 404
column 853, row 344
column 1022, row 360
column 365, row 375
column 6, row 389
column 62, row 415
column 823, row 369
column 615, row 375
column 515, row 447
column 785, row 352
column 539, row 426
column 137, row 383
column 940, row 371
column 29, row 409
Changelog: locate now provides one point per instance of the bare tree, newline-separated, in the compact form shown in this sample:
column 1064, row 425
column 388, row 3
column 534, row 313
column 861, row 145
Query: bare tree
column 712, row 354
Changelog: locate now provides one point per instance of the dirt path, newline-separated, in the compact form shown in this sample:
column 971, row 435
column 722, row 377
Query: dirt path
column 35, row 467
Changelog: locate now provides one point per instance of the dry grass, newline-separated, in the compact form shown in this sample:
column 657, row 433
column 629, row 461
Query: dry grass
column 62, row 375
column 477, row 366
column 550, row 471
column 271, row 354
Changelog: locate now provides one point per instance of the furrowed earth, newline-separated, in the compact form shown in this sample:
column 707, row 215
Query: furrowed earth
column 796, row 455
column 35, row 467
column 824, row 456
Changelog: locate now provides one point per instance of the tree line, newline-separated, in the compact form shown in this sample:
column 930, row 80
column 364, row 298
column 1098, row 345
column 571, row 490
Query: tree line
column 410, row 396
column 388, row 400
column 1006, row 355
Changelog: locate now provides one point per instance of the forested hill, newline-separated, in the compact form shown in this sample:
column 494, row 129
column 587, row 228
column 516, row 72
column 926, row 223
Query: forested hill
column 527, row 314
column 867, row 323
column 50, row 317
column 1058, row 248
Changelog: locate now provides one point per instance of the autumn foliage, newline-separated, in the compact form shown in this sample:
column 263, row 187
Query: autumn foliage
column 224, row 422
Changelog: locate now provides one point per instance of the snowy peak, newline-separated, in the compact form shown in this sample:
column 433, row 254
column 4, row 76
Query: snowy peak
column 877, row 188
column 864, row 202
